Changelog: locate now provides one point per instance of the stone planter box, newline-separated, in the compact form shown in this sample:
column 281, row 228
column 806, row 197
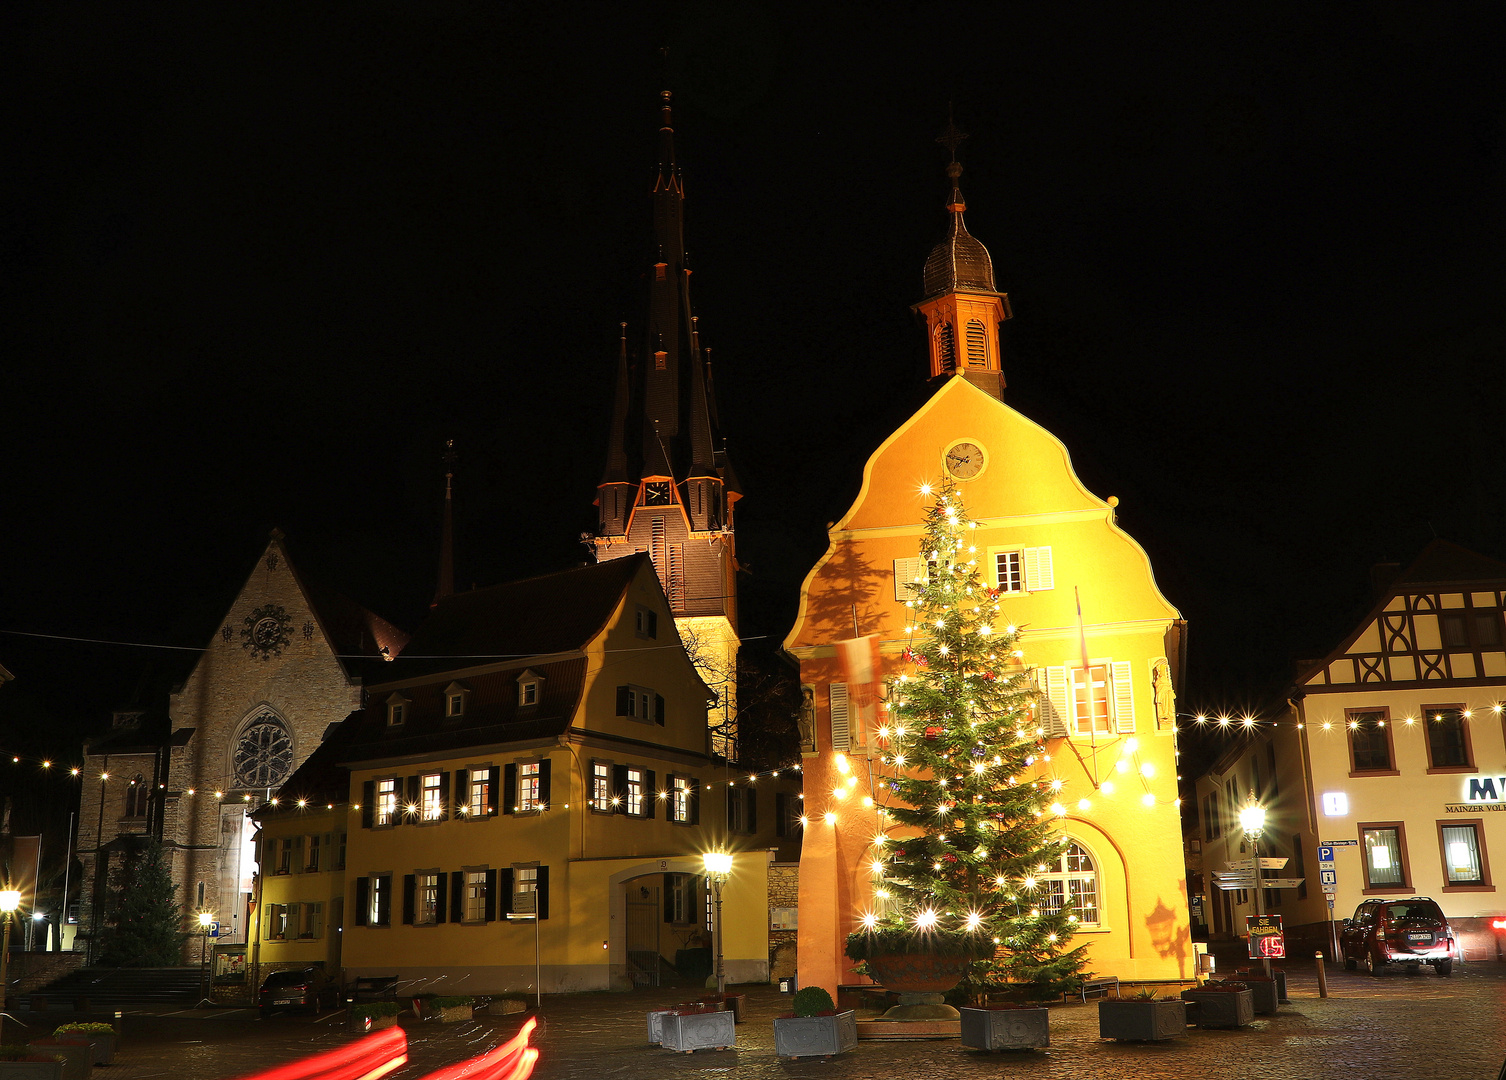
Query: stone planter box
column 815, row 1036
column 1005, row 1029
column 359, row 1024
column 1245, row 974
column 103, row 1042
column 454, row 1014
column 80, row 1056
column 698, row 1031
column 656, row 1025
column 1222, row 1009
column 1264, row 991
column 31, row 1070
column 1142, row 1021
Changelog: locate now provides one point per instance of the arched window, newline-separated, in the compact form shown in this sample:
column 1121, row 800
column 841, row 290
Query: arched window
column 136, row 795
column 946, row 348
column 1075, row 879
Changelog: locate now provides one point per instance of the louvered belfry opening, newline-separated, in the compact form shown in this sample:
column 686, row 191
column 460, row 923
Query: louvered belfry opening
column 946, row 349
column 977, row 344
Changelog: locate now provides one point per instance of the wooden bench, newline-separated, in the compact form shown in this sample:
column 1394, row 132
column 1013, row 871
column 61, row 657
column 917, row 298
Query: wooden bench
column 1097, row 984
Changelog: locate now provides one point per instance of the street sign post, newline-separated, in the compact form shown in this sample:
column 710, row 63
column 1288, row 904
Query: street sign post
column 1328, row 876
column 1266, row 938
column 214, row 929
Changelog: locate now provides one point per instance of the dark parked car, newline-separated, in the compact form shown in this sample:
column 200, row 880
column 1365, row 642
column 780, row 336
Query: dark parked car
column 298, row 988
column 1412, row 932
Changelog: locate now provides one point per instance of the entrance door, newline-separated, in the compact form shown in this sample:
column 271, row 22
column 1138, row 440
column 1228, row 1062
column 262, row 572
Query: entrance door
column 643, row 921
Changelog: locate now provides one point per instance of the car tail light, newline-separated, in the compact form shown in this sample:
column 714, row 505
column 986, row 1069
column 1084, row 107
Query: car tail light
column 1498, row 924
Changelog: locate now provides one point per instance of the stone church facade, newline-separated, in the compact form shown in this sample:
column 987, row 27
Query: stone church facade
column 279, row 671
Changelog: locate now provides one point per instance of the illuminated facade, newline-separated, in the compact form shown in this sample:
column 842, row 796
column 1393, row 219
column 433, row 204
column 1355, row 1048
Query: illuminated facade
column 1107, row 677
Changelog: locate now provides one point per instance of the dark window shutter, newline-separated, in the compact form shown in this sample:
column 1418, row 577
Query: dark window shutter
column 659, row 709
column 669, row 796
column 368, row 804
column 493, row 778
column 650, row 794
column 543, row 904
column 442, row 898
column 504, row 885
column 544, row 783
column 624, row 702
column 462, row 793
column 410, row 887
column 619, row 788
column 444, row 796
column 779, row 812
column 653, row 624
column 363, row 900
column 457, row 896
column 669, row 897
column 695, row 802
column 491, row 896
column 383, row 900
column 510, row 789
column 403, row 816
column 750, row 804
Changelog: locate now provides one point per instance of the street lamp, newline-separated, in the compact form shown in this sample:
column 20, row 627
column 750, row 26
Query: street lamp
column 205, row 920
column 10, row 899
column 718, row 868
column 1252, row 820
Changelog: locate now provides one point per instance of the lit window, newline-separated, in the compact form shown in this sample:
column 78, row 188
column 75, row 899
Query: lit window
column 525, row 890
column 1008, row 571
column 1383, row 864
column 386, row 802
column 679, row 809
column 481, row 792
column 433, row 797
column 634, row 793
column 1090, row 699
column 426, row 899
column 601, row 786
column 379, row 900
column 1461, row 855
column 528, row 787
column 1074, row 881
column 475, row 895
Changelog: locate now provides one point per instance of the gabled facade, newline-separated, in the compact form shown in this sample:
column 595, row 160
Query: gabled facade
column 270, row 683
column 668, row 488
column 1107, row 675
column 1402, row 739
column 571, row 781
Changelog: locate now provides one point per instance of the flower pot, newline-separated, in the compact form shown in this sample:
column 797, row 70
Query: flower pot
column 698, row 1031
column 79, row 1055
column 1142, row 1021
column 918, row 973
column 815, row 1036
column 1005, row 1029
column 31, row 1070
column 1222, row 1008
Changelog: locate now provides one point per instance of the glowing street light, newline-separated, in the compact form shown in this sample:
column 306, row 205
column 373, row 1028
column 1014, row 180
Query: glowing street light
column 10, row 899
column 1252, row 821
column 718, row 869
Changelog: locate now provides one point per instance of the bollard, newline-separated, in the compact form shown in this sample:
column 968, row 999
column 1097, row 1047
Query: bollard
column 1322, row 978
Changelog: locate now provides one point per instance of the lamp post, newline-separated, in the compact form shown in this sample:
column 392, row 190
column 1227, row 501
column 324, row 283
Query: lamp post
column 1252, row 820
column 205, row 918
column 10, row 899
column 718, row 867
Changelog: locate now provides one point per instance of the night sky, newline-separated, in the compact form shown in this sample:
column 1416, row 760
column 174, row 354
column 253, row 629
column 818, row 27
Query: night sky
column 261, row 260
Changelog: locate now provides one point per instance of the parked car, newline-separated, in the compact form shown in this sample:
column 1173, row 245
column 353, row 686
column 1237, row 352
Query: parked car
column 298, row 988
column 1411, row 932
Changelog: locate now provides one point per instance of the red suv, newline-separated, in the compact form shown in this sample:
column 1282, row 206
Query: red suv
column 1411, row 932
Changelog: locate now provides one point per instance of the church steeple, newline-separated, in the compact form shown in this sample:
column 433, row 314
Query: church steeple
column 962, row 307
column 446, row 583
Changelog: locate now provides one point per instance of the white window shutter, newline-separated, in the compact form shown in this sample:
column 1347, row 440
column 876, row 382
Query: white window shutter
column 1124, row 698
column 1054, row 705
column 907, row 572
column 841, row 728
column 1039, row 575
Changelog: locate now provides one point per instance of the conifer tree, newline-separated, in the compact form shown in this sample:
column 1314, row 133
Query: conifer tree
column 974, row 821
column 146, row 925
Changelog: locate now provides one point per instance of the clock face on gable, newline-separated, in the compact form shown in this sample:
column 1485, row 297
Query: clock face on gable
column 656, row 494
column 965, row 460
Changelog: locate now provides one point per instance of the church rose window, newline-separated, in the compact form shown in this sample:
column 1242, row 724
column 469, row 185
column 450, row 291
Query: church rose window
column 264, row 755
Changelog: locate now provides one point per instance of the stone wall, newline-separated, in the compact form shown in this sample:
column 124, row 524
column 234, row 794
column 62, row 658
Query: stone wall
column 784, row 892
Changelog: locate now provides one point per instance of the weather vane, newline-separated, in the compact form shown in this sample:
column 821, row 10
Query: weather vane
column 953, row 136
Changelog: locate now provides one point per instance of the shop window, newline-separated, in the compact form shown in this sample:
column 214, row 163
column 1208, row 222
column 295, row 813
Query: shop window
column 1383, row 852
column 1463, row 855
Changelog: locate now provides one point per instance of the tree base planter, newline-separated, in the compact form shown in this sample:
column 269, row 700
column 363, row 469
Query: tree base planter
column 1222, row 1009
column 1005, row 1029
column 1142, row 1021
column 815, row 1036
column 31, row 1070
column 698, row 1031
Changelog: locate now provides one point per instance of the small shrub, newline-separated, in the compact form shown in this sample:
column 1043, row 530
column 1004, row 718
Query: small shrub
column 1145, row 994
column 812, row 1001
column 375, row 1009
column 86, row 1029
column 27, row 1053
column 454, row 1001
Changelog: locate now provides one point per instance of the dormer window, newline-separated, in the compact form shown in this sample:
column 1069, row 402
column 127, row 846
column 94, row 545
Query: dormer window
column 397, row 710
column 530, row 688
column 456, row 699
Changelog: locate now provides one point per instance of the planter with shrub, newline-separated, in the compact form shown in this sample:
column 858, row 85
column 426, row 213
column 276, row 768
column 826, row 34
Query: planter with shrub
column 103, row 1037
column 450, row 1009
column 79, row 1056
column 24, row 1063
column 1006, row 1027
column 1226, row 1004
column 373, row 1015
column 815, row 1028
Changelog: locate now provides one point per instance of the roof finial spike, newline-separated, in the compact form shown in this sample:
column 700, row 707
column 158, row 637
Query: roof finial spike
column 446, row 583
column 952, row 137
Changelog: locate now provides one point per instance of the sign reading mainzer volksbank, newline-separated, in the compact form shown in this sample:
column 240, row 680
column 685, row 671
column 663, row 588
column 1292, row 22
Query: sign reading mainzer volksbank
column 1480, row 793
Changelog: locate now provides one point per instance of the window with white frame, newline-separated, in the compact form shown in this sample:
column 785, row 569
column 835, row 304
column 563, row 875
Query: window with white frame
column 528, row 787
column 1090, row 700
column 312, row 924
column 679, row 796
column 475, row 895
column 432, row 804
column 1073, row 879
column 455, row 705
column 638, row 702
column 601, row 786
column 479, row 798
column 1009, row 572
column 525, row 890
column 311, row 863
column 397, row 710
column 386, row 802
column 379, row 900
column 426, row 899
column 679, row 898
column 528, row 692
column 634, row 794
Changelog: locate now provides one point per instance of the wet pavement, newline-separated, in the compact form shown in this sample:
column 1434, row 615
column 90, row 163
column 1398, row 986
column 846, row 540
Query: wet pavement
column 1395, row 1026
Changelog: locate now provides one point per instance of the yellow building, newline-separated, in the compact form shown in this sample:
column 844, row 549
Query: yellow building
column 535, row 763
column 1106, row 673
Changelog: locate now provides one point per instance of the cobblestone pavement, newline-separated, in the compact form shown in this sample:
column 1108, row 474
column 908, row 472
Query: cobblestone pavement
column 1395, row 1027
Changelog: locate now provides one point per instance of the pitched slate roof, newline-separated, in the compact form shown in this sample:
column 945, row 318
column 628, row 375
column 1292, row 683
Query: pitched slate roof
column 1443, row 560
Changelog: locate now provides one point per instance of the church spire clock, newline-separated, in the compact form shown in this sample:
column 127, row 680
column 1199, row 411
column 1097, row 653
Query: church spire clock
column 667, row 487
column 962, row 307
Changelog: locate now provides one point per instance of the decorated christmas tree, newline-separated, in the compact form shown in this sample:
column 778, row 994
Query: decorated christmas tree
column 972, row 810
column 146, row 926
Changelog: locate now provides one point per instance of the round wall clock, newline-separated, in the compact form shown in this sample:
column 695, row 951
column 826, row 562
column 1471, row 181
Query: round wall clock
column 267, row 632
column 964, row 460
